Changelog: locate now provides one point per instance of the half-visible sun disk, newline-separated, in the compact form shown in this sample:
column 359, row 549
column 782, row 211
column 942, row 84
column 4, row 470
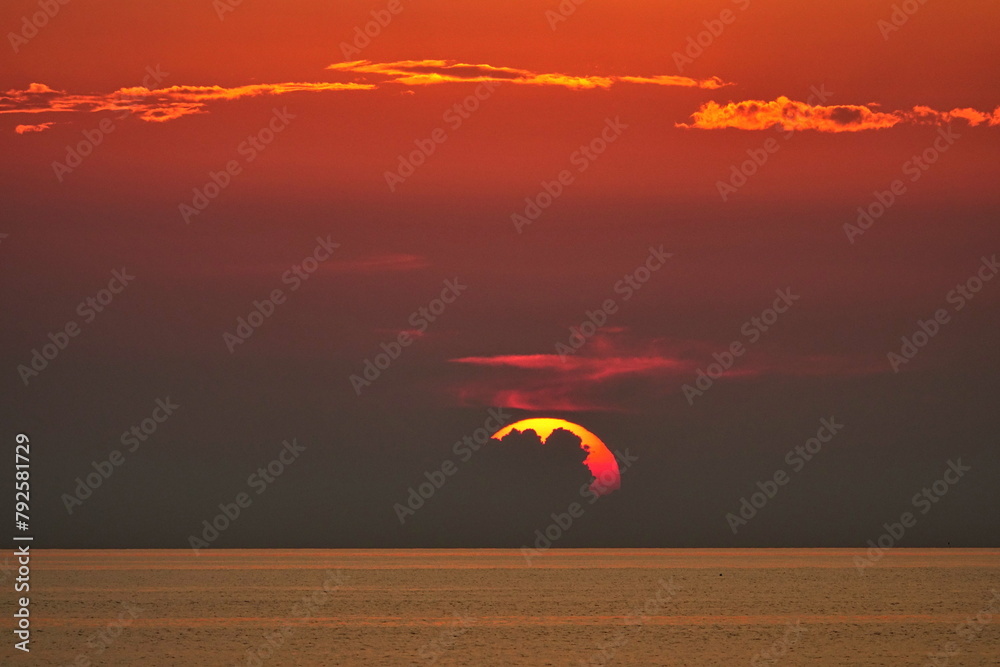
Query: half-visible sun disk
column 600, row 461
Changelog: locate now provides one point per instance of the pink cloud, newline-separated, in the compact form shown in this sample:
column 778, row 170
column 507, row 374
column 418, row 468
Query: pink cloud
column 611, row 373
column 579, row 382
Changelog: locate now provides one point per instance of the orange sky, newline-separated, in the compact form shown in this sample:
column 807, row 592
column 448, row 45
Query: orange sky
column 770, row 50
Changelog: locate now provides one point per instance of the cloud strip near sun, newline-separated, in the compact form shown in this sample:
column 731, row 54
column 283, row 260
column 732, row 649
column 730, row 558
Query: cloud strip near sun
column 792, row 115
column 612, row 373
column 164, row 104
column 431, row 72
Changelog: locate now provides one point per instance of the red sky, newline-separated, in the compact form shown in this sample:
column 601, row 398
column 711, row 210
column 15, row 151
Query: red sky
column 609, row 64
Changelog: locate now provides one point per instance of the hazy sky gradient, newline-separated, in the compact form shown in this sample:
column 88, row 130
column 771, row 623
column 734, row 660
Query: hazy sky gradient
column 657, row 184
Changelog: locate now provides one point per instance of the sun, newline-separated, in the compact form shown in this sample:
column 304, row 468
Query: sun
column 600, row 461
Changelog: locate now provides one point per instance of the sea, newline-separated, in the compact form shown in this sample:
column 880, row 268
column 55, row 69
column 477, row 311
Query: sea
column 755, row 607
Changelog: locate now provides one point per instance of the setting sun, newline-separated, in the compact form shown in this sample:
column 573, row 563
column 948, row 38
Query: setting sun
column 600, row 460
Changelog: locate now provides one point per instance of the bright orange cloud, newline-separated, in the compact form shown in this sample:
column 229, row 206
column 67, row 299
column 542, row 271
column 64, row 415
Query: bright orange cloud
column 164, row 104
column 41, row 127
column 156, row 105
column 427, row 72
column 793, row 115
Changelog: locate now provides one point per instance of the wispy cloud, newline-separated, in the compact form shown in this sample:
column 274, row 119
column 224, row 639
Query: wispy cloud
column 388, row 263
column 793, row 115
column 612, row 373
column 549, row 382
column 609, row 367
column 430, row 72
column 364, row 265
column 591, row 368
column 41, row 127
column 153, row 105
column 164, row 104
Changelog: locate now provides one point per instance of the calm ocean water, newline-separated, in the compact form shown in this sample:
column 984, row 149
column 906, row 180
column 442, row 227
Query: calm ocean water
column 492, row 607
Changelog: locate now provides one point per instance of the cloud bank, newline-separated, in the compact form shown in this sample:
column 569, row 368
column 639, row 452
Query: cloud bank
column 164, row 104
column 792, row 115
